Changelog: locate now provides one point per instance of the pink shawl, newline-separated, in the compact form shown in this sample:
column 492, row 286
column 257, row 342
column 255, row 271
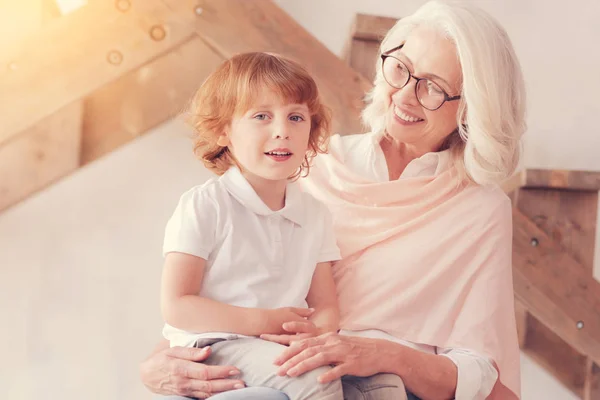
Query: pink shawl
column 425, row 259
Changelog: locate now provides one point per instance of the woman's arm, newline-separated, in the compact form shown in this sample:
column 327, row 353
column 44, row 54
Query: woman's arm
column 322, row 297
column 477, row 374
column 428, row 376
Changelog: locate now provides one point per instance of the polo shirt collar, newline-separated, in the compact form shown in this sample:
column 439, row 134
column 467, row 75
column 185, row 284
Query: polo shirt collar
column 235, row 183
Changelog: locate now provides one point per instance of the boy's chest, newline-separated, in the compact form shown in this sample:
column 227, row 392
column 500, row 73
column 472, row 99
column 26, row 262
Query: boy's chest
column 270, row 241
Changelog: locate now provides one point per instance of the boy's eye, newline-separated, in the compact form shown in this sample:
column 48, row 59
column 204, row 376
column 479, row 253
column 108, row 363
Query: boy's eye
column 297, row 118
column 261, row 116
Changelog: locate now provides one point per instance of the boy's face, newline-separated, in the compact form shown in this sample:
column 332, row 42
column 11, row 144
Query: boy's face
column 270, row 140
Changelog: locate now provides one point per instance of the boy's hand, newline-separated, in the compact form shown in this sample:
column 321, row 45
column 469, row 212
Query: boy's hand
column 277, row 318
column 296, row 330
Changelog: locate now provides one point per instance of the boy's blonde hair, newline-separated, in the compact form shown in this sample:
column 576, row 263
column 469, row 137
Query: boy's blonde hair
column 231, row 90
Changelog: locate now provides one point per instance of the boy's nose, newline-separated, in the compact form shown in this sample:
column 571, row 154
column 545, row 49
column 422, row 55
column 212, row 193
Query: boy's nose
column 281, row 132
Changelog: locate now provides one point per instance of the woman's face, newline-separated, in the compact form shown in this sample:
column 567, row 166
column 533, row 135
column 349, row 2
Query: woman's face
column 427, row 54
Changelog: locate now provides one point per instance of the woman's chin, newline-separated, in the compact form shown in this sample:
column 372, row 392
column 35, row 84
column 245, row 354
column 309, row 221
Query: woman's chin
column 402, row 133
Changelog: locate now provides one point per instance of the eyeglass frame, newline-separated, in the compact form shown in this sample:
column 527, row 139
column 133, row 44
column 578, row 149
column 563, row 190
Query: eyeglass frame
column 387, row 54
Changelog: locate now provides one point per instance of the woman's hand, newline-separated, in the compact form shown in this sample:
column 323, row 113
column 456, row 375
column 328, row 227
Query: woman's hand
column 350, row 355
column 178, row 371
column 296, row 330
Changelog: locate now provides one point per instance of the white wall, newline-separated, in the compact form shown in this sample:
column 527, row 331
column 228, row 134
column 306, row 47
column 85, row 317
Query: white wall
column 79, row 273
column 80, row 262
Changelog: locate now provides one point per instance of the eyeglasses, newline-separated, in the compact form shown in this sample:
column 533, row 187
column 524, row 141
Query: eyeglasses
column 429, row 94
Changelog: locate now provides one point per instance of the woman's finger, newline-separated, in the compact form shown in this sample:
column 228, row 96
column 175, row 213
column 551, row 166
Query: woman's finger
column 296, row 348
column 209, row 372
column 299, row 358
column 300, row 327
column 334, row 373
column 312, row 360
column 189, row 353
column 215, row 386
column 281, row 339
column 300, row 336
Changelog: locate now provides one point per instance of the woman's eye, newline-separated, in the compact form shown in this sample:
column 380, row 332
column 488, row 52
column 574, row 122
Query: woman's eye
column 297, row 118
column 433, row 88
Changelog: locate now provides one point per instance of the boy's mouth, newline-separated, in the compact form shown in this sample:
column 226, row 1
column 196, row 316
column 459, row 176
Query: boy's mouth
column 279, row 154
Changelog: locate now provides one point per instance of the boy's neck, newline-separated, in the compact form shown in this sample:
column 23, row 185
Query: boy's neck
column 271, row 192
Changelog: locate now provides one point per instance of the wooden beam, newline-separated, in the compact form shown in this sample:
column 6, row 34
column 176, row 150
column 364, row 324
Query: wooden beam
column 362, row 48
column 41, row 155
column 521, row 315
column 555, row 356
column 19, row 19
column 50, row 150
column 554, row 288
column 569, row 219
column 562, row 179
column 236, row 26
column 371, row 27
column 140, row 100
column 591, row 390
column 361, row 55
column 84, row 50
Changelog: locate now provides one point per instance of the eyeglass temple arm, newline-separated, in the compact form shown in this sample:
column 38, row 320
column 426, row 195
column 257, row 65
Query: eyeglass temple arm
column 393, row 50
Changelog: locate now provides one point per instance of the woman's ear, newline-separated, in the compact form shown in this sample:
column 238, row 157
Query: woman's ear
column 223, row 141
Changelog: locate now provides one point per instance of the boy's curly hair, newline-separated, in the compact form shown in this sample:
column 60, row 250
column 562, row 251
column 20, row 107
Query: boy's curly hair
column 231, row 91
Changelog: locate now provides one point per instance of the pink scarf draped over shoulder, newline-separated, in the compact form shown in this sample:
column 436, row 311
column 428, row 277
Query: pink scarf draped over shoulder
column 425, row 259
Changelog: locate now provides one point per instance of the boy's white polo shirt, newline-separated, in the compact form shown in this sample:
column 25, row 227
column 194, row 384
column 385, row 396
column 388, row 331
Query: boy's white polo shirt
column 256, row 257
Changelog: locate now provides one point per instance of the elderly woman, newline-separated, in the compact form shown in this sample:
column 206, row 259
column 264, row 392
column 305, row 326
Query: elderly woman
column 425, row 284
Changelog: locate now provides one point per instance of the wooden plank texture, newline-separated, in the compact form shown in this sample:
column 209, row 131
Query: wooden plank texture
column 555, row 289
column 521, row 315
column 569, row 219
column 362, row 56
column 49, row 150
column 41, row 155
column 562, row 179
column 591, row 390
column 140, row 100
column 371, row 27
column 236, row 26
column 18, row 20
column 555, row 356
column 78, row 53
column 363, row 46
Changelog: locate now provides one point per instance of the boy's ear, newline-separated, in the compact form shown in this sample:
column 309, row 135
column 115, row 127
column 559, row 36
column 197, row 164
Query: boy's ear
column 223, row 141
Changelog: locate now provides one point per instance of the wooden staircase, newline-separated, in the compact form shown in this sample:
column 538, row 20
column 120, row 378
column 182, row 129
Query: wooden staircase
column 77, row 86
column 554, row 219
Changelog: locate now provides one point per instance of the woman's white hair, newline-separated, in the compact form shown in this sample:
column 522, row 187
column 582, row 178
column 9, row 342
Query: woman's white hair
column 491, row 116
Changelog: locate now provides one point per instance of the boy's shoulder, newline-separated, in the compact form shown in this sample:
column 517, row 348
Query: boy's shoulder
column 209, row 192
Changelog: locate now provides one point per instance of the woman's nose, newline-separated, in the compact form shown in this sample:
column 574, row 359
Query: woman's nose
column 406, row 95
